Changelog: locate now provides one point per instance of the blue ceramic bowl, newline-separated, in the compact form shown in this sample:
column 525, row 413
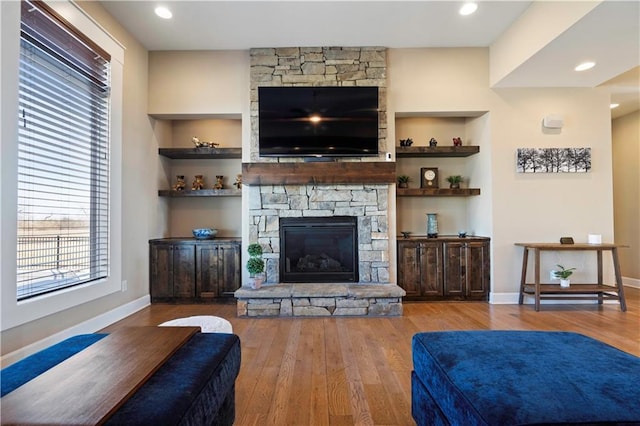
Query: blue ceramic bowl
column 204, row 233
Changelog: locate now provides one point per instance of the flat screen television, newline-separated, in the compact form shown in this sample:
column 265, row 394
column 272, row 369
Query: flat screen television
column 318, row 121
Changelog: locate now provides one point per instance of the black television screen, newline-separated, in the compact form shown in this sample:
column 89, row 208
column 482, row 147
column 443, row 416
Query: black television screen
column 318, row 121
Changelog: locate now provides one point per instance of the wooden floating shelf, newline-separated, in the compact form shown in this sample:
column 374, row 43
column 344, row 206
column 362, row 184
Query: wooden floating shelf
column 201, row 193
column 436, row 151
column 200, row 153
column 313, row 173
column 436, row 192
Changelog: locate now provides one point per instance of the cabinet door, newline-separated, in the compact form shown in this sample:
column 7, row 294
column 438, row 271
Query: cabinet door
column 478, row 270
column 160, row 271
column 409, row 267
column 229, row 268
column 455, row 269
column 420, row 268
column 184, row 267
column 431, row 269
column 466, row 271
column 218, row 270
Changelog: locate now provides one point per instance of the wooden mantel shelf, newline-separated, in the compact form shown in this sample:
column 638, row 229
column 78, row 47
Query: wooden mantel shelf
column 318, row 173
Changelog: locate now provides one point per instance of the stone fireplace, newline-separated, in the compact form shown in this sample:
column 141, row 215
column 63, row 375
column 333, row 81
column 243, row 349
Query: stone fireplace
column 367, row 291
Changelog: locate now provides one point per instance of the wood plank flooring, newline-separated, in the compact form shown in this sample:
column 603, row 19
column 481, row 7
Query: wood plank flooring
column 357, row 371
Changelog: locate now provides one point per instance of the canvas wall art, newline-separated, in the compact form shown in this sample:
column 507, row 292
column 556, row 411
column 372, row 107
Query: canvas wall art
column 553, row 160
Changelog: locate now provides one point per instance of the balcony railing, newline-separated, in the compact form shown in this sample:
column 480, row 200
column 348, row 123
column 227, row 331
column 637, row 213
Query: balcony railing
column 47, row 263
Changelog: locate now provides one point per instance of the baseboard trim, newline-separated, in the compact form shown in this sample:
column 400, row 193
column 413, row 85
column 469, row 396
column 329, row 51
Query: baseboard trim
column 503, row 298
column 89, row 326
column 631, row 282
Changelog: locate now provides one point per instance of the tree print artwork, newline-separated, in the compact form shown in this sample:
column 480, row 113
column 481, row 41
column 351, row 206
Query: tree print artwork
column 553, row 160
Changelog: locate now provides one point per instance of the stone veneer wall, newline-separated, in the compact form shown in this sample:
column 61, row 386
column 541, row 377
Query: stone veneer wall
column 321, row 66
column 368, row 203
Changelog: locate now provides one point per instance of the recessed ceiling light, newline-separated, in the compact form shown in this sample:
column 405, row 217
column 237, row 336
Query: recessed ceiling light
column 163, row 12
column 612, row 106
column 468, row 8
column 585, row 66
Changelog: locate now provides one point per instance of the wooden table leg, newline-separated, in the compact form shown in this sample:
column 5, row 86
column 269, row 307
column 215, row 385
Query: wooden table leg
column 523, row 277
column 600, row 279
column 536, row 271
column 616, row 267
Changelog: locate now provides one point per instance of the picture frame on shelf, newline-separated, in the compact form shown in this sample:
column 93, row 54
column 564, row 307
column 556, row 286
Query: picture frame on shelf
column 429, row 177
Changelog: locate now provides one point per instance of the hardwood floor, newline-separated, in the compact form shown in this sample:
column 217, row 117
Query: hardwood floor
column 348, row 371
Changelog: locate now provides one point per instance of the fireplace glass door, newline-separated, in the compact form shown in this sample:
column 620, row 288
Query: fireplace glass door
column 319, row 250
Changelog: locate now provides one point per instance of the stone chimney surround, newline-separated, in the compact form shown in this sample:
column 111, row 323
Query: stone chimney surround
column 374, row 294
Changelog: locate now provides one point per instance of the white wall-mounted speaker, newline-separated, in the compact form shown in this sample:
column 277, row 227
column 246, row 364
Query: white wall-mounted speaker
column 553, row 121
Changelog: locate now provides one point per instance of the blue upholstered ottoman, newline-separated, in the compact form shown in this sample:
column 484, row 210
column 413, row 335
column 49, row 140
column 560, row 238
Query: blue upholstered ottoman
column 522, row 378
column 195, row 386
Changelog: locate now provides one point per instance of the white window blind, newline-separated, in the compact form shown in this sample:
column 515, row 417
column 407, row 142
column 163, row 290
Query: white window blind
column 63, row 155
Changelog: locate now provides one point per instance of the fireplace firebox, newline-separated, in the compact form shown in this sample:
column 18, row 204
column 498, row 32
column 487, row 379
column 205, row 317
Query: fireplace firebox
column 319, row 249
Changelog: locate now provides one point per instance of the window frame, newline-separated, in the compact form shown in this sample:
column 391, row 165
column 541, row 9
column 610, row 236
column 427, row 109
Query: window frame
column 16, row 312
column 74, row 76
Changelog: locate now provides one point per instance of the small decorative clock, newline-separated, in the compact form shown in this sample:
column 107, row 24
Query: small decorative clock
column 429, row 177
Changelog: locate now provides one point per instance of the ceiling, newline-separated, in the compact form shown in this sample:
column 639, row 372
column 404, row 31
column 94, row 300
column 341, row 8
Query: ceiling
column 609, row 34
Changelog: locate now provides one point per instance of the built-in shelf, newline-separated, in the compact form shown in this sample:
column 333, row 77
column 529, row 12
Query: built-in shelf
column 201, row 193
column 436, row 192
column 436, row 151
column 318, row 173
column 200, row 153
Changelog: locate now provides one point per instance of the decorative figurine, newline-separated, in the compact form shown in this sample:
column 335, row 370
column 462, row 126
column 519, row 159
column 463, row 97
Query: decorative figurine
column 180, row 185
column 457, row 142
column 198, row 183
column 201, row 144
column 406, row 142
column 238, row 182
column 433, row 142
column 218, row 184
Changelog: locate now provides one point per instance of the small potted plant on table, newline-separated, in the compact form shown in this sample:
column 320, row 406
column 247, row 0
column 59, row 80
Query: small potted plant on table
column 255, row 265
column 564, row 274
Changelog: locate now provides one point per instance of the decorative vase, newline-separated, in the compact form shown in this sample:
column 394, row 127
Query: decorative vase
column 565, row 282
column 432, row 225
column 454, row 185
column 403, row 185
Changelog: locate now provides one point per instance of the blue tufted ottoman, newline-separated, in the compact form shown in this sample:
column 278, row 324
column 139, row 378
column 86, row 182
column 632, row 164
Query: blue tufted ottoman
column 521, row 378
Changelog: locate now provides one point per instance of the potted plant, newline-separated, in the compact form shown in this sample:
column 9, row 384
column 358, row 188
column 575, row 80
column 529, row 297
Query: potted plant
column 403, row 181
column 564, row 275
column 255, row 265
column 454, row 181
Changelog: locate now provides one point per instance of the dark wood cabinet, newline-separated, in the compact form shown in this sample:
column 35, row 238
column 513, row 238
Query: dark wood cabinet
column 189, row 270
column 444, row 268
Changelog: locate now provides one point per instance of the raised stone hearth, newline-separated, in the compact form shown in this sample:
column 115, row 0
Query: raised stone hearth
column 320, row 300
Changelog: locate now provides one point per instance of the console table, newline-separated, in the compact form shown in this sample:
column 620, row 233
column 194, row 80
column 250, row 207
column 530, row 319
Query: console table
column 599, row 290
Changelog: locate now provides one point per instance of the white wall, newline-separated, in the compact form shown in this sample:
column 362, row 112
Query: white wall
column 544, row 207
column 626, row 191
column 516, row 207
